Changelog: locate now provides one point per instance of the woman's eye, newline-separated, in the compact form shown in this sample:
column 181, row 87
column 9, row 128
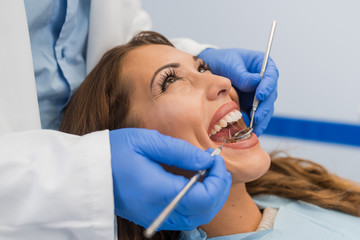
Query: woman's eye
column 170, row 80
column 167, row 79
column 202, row 69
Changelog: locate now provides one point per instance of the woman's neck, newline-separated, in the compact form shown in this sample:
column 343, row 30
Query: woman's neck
column 238, row 215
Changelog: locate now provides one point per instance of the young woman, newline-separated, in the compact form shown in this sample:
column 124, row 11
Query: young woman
column 148, row 83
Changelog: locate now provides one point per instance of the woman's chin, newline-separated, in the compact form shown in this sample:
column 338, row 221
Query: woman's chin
column 248, row 165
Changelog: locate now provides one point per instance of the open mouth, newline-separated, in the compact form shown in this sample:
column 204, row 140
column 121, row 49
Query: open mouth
column 227, row 119
column 230, row 124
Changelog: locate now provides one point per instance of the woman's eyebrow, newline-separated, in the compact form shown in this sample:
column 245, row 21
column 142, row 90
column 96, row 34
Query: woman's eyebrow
column 173, row 65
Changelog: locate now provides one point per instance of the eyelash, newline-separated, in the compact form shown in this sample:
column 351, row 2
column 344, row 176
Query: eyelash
column 171, row 74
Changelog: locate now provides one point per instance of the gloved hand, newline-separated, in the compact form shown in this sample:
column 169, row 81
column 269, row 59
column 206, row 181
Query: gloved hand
column 142, row 189
column 243, row 68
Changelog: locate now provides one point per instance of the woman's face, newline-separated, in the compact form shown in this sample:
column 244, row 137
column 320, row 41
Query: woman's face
column 175, row 94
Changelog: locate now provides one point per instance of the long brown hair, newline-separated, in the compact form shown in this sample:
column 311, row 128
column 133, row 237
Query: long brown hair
column 304, row 180
column 103, row 102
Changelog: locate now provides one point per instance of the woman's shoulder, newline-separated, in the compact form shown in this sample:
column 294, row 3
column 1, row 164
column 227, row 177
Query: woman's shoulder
column 264, row 201
column 300, row 207
column 295, row 220
column 305, row 218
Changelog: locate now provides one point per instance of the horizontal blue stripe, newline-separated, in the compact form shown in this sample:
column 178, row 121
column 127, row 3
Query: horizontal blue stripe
column 314, row 130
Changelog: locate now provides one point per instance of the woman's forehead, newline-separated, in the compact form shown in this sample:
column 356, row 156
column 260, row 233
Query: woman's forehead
column 157, row 55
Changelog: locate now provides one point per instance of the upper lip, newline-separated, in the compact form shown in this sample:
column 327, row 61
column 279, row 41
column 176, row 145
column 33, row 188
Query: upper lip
column 221, row 112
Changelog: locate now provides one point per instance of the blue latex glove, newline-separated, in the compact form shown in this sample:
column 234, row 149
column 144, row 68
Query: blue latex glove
column 142, row 189
column 243, row 68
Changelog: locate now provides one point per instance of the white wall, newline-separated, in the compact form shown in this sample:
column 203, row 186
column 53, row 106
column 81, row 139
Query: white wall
column 316, row 48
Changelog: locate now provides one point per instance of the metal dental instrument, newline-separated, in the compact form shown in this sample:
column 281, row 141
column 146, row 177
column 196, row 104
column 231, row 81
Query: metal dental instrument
column 245, row 133
column 150, row 231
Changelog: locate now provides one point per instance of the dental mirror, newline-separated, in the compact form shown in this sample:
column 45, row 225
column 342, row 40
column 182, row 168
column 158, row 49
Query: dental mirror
column 242, row 134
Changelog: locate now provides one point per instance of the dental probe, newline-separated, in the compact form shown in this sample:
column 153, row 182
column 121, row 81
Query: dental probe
column 150, row 231
column 267, row 53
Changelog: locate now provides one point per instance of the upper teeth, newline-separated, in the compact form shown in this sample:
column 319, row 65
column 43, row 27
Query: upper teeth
column 228, row 118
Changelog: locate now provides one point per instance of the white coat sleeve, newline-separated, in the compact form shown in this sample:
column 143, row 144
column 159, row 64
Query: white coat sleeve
column 56, row 186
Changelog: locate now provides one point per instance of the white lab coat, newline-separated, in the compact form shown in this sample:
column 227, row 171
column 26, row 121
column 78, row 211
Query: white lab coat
column 55, row 185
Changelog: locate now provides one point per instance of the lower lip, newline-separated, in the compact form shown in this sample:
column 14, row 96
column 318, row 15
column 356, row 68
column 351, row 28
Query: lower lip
column 244, row 144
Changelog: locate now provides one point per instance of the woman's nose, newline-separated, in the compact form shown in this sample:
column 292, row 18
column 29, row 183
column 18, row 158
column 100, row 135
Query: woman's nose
column 216, row 86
